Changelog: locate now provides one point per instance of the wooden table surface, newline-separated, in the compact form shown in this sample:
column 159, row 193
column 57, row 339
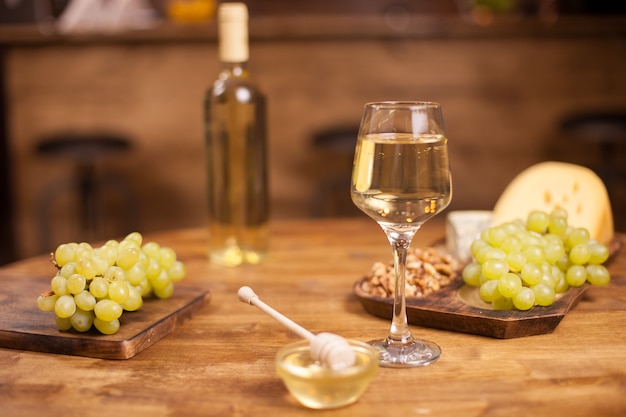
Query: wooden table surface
column 221, row 361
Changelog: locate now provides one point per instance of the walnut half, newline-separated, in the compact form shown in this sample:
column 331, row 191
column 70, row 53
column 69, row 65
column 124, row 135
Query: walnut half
column 427, row 271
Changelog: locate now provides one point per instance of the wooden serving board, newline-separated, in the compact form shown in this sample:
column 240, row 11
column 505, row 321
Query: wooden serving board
column 23, row 326
column 457, row 307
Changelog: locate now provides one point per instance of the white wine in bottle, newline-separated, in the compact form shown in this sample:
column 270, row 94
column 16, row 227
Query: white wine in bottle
column 235, row 130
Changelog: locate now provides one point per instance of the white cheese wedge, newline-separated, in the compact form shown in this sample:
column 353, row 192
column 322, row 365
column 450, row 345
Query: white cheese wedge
column 557, row 184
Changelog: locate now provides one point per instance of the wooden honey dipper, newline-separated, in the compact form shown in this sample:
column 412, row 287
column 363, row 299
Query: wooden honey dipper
column 332, row 350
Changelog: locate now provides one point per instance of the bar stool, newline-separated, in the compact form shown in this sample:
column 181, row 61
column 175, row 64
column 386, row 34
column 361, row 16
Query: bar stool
column 332, row 196
column 85, row 152
column 607, row 131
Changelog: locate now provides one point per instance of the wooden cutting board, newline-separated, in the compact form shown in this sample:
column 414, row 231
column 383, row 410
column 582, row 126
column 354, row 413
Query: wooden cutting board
column 458, row 307
column 23, row 326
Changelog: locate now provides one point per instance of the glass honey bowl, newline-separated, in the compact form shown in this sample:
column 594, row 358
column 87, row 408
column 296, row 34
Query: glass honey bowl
column 319, row 387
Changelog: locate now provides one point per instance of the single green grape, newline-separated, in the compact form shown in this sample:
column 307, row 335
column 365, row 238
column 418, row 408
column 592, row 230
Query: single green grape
column 86, row 267
column 516, row 261
column 580, row 254
column 106, row 327
column 114, row 273
column 167, row 257
column 494, row 253
column 112, row 242
column 81, row 320
column 127, row 258
column 165, row 292
column 152, row 249
column 85, row 300
column 107, row 310
column 144, row 287
column 479, row 248
column 598, row 275
column 64, row 306
column 68, row 269
column 127, row 244
column 135, row 237
column 559, row 212
column 101, row 264
column 46, row 302
column 134, row 301
column 76, row 283
column 63, row 254
column 538, row 221
column 576, row 275
column 144, row 260
column 488, row 291
column 84, row 250
column 58, row 284
column 154, row 269
column 531, row 274
column 471, row 274
column 63, row 323
column 494, row 268
column 598, row 253
column 135, row 275
column 511, row 243
column 563, row 263
column 524, row 299
column 513, row 227
column 561, row 283
column 177, row 271
column 544, row 295
column 118, row 291
column 577, row 236
column 99, row 287
column 108, row 252
column 494, row 236
column 509, row 284
column 558, row 226
column 548, row 279
column 533, row 254
column 531, row 239
column 553, row 252
column 160, row 281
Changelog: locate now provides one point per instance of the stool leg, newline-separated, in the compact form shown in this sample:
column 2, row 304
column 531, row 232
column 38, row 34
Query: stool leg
column 89, row 198
column 46, row 199
column 606, row 170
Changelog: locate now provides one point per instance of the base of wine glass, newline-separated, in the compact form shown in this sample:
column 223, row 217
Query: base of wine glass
column 394, row 354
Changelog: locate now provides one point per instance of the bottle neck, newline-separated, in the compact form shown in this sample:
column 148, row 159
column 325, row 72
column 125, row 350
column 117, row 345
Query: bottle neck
column 235, row 69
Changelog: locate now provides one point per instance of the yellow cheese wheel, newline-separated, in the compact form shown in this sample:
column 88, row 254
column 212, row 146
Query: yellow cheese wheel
column 547, row 185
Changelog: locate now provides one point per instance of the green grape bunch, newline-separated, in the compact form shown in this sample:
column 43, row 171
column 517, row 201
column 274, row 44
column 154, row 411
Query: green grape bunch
column 93, row 286
column 522, row 264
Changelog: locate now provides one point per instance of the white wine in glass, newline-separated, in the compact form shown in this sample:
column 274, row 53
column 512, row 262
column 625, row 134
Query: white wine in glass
column 401, row 178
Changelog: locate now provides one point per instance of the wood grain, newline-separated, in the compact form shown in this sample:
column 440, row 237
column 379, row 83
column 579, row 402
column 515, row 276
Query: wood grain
column 455, row 307
column 152, row 90
column 24, row 326
column 458, row 307
column 220, row 362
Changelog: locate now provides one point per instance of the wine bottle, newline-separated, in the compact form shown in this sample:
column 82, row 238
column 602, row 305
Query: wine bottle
column 236, row 149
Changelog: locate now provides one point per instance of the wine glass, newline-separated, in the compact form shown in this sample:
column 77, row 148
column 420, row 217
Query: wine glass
column 401, row 178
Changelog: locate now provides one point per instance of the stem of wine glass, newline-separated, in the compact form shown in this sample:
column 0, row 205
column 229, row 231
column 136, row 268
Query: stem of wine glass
column 400, row 241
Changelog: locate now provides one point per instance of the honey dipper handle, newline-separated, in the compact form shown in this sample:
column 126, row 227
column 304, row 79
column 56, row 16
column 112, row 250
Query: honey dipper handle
column 247, row 295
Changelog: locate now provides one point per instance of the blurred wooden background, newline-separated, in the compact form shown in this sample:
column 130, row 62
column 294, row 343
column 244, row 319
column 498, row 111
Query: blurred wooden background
column 505, row 88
